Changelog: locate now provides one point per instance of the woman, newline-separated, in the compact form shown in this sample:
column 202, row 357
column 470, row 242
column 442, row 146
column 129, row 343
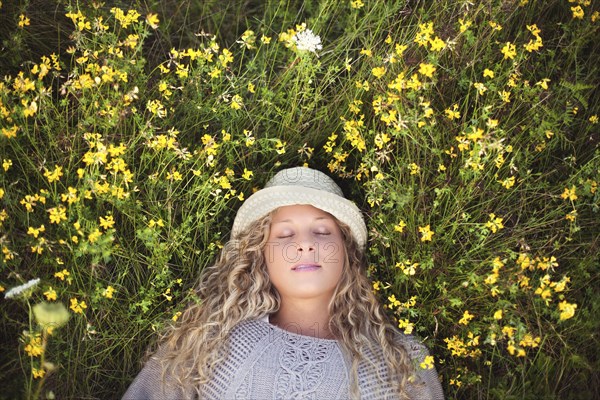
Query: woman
column 287, row 310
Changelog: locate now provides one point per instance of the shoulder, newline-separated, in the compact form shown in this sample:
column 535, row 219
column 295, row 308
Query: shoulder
column 416, row 350
column 425, row 382
column 153, row 383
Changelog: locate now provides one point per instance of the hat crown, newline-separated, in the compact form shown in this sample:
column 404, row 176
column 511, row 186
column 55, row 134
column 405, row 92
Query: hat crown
column 305, row 177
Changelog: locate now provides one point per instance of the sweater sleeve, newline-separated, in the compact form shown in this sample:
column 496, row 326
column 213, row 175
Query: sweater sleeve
column 149, row 384
column 426, row 384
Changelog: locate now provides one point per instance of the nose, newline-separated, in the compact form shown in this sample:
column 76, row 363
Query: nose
column 305, row 246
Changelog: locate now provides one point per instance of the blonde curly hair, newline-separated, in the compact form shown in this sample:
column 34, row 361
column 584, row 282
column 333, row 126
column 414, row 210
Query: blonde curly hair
column 237, row 288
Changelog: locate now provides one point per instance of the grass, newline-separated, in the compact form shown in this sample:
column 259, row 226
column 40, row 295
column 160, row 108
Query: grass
column 467, row 133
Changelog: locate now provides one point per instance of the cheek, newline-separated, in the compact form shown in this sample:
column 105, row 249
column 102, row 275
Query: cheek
column 279, row 253
column 332, row 252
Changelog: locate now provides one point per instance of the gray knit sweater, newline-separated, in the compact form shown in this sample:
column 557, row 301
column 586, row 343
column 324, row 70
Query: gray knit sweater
column 266, row 362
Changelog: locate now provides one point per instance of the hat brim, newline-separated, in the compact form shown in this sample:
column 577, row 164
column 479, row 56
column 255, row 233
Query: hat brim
column 269, row 199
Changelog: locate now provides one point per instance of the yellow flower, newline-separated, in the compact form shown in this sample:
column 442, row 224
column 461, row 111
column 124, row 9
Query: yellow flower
column 108, row 292
column 546, row 262
column 577, row 12
column 223, row 181
column 247, row 175
column 125, row 19
column 378, row 72
column 452, row 113
column 508, row 331
column 357, row 4
column 399, row 227
column 495, row 223
column 488, row 73
column 529, row 341
column 116, row 151
column 593, row 119
column 399, row 49
column 57, row 214
column 426, row 69
column 107, row 222
column 174, row 175
column 366, row 52
column 78, row 306
column 491, row 279
column 55, row 175
column 407, row 267
column 6, row 164
column 381, row 139
column 437, row 44
column 509, row 51
column 505, row 96
column 71, row 196
column 280, row 146
column 35, row 232
column 426, row 233
column 427, row 363
column 476, row 135
column 495, row 26
column 424, row 35
column 79, row 20
column 406, row 325
column 569, row 194
column 154, row 223
column 226, row 56
column 34, row 348
column 364, row 85
column 50, row 294
column 236, row 102
column 62, row 274
column 38, row 373
column 152, row 20
column 466, row 318
column 481, row 88
column 561, row 285
column 156, row 108
column 498, row 315
column 567, row 310
column 176, row 316
column 94, row 236
column 456, row 382
column 464, row 25
column 23, row 21
column 414, row 169
column 543, row 83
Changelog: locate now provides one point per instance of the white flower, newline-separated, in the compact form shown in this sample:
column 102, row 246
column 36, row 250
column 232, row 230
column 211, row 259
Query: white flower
column 21, row 288
column 307, row 41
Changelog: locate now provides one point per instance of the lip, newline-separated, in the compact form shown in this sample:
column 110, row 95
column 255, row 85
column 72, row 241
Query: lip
column 305, row 267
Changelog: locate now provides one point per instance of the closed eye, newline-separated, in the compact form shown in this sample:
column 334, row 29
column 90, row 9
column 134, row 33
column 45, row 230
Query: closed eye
column 285, row 235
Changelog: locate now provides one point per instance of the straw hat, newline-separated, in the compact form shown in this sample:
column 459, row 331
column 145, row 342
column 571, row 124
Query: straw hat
column 301, row 185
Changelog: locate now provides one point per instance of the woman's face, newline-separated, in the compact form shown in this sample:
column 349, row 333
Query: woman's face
column 304, row 253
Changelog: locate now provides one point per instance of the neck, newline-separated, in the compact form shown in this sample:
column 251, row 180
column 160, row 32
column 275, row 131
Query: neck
column 307, row 318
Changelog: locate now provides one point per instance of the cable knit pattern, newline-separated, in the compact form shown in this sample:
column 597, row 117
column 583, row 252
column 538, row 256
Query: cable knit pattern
column 266, row 362
column 302, row 367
